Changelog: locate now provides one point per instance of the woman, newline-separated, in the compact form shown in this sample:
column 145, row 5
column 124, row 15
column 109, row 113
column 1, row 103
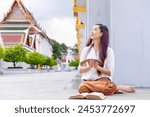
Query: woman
column 96, row 77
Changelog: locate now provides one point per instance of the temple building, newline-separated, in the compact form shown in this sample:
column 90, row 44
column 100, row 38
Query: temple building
column 128, row 22
column 18, row 26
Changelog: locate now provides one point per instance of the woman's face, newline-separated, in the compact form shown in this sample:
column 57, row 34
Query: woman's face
column 96, row 32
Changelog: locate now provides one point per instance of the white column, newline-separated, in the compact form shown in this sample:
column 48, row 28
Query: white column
column 1, row 41
column 25, row 38
column 33, row 38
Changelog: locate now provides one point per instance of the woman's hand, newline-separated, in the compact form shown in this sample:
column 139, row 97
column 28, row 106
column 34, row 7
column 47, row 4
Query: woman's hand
column 96, row 65
column 101, row 69
column 91, row 63
column 84, row 69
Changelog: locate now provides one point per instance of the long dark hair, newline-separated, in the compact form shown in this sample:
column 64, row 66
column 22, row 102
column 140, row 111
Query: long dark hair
column 103, row 43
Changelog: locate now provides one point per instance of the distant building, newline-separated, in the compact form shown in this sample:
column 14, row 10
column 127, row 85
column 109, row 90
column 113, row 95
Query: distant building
column 128, row 22
column 73, row 57
column 19, row 27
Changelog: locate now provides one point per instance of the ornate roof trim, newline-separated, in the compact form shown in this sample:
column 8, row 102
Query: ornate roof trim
column 25, row 11
column 27, row 14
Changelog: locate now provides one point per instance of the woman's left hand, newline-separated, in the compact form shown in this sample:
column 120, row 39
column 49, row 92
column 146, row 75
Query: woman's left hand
column 96, row 65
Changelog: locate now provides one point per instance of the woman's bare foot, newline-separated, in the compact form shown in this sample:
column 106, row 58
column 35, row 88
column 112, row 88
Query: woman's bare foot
column 125, row 88
column 119, row 92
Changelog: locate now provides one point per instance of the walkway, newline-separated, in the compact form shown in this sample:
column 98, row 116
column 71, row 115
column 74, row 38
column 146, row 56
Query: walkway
column 50, row 86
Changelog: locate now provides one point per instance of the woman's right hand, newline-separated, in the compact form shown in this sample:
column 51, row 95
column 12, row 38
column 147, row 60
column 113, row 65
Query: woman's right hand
column 84, row 69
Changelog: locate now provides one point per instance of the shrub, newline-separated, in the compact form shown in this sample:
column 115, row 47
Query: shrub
column 35, row 58
column 50, row 62
column 1, row 52
column 74, row 63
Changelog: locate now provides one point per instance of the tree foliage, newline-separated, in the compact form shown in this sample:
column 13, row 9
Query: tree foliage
column 63, row 48
column 14, row 54
column 75, row 49
column 35, row 58
column 1, row 52
column 50, row 62
column 74, row 63
column 58, row 49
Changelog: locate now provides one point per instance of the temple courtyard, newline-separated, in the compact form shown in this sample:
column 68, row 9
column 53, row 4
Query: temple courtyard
column 51, row 86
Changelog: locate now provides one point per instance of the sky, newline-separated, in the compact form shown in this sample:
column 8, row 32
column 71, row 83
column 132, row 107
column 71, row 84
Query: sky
column 54, row 16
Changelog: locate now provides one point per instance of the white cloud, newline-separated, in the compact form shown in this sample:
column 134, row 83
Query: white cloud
column 62, row 30
column 4, row 7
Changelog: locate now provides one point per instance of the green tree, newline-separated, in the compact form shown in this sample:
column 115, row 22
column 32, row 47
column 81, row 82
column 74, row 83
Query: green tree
column 75, row 49
column 1, row 52
column 50, row 62
column 58, row 49
column 35, row 58
column 63, row 48
column 74, row 64
column 14, row 54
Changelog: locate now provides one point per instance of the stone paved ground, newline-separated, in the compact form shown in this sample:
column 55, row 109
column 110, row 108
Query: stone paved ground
column 51, row 86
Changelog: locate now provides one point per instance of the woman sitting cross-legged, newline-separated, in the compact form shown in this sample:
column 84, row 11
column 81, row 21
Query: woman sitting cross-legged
column 97, row 76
